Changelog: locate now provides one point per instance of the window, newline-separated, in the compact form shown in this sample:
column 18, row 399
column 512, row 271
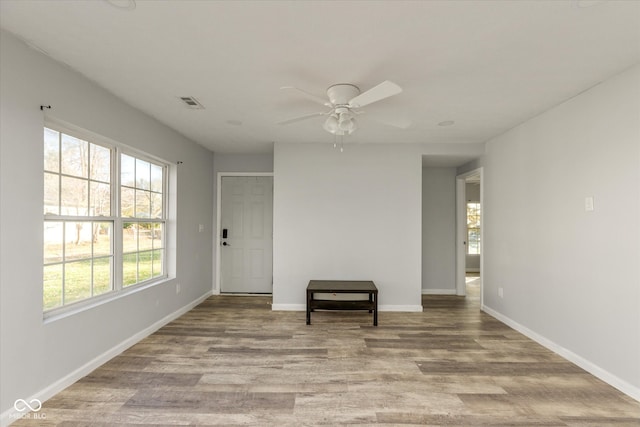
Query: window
column 473, row 228
column 142, row 209
column 90, row 249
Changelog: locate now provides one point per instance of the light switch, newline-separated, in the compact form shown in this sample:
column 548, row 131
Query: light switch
column 200, row 228
column 588, row 204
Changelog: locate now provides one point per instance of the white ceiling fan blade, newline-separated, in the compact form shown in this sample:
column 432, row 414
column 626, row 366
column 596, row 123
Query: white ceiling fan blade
column 377, row 93
column 305, row 117
column 314, row 98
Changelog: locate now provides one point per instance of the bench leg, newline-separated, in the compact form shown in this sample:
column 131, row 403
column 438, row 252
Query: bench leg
column 375, row 312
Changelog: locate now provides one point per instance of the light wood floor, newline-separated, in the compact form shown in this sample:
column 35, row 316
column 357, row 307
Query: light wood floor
column 233, row 361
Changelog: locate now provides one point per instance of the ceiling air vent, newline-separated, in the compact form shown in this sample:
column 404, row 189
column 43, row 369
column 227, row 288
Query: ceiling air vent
column 191, row 102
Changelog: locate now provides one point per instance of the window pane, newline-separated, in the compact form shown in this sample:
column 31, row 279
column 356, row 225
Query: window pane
column 127, row 168
column 157, row 263
column 51, row 150
column 74, row 196
column 143, row 174
column 53, row 242
column 477, row 244
column 129, row 237
column 101, row 275
column 156, row 178
column 473, row 215
column 74, row 156
column 100, row 166
column 156, row 205
column 52, row 286
column 102, row 238
column 473, row 238
column 145, row 264
column 143, row 204
column 100, row 203
column 145, row 236
column 77, row 281
column 51, row 194
column 127, row 202
column 157, row 235
column 129, row 269
column 77, row 240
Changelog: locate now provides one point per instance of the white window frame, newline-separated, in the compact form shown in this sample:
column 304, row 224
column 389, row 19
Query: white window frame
column 117, row 288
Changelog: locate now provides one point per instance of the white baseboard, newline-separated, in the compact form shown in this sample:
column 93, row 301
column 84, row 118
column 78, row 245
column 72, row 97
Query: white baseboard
column 11, row 415
column 438, row 292
column 303, row 307
column 585, row 364
column 401, row 308
column 288, row 307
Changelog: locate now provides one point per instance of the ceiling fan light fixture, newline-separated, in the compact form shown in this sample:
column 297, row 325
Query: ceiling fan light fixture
column 331, row 124
column 346, row 123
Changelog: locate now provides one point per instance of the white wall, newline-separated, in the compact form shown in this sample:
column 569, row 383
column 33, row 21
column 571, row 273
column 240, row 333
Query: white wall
column 571, row 277
column 354, row 215
column 439, row 230
column 36, row 357
column 472, row 192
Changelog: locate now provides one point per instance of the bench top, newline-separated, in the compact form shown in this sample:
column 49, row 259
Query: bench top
column 342, row 286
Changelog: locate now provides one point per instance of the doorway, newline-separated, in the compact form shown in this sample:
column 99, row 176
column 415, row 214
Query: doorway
column 469, row 231
column 245, row 233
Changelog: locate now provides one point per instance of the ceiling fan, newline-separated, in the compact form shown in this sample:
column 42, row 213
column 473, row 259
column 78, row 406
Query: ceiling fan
column 344, row 102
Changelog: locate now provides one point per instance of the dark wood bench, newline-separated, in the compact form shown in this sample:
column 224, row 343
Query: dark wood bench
column 342, row 287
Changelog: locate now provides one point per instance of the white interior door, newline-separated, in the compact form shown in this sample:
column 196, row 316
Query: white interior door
column 246, row 234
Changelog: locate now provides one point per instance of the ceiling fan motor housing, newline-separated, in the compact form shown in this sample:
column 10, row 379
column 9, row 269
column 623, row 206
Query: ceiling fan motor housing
column 342, row 93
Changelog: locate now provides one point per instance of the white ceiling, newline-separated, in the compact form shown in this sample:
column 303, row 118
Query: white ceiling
column 487, row 65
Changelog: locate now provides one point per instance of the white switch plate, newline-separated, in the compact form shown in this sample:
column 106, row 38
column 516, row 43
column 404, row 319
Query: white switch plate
column 501, row 292
column 588, row 204
column 200, row 228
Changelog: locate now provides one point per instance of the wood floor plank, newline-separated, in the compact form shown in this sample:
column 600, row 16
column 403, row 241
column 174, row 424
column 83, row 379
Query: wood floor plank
column 127, row 379
column 233, row 361
column 207, row 402
column 404, row 418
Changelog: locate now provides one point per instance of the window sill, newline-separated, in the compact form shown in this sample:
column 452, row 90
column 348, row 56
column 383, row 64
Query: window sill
column 59, row 313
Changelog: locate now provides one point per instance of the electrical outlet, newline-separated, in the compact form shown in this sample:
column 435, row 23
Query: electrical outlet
column 501, row 292
column 200, row 228
column 177, row 288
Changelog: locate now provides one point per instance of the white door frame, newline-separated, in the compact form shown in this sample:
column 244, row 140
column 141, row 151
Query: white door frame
column 461, row 231
column 216, row 288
